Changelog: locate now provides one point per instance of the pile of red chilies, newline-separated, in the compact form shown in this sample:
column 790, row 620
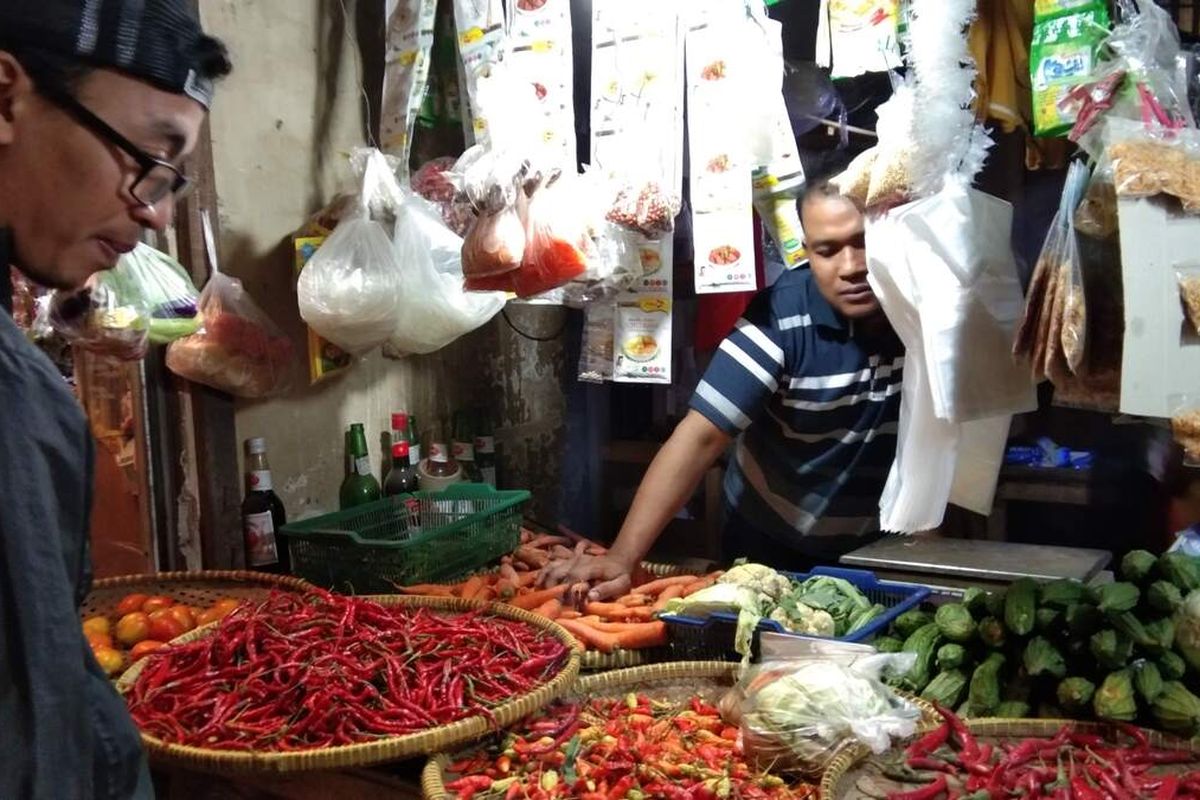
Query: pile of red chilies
column 1069, row 766
column 323, row 670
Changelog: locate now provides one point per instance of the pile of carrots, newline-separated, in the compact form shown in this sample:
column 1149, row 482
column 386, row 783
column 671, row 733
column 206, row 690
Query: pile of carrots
column 625, row 623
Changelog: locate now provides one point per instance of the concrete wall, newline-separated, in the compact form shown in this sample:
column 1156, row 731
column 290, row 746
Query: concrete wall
column 281, row 124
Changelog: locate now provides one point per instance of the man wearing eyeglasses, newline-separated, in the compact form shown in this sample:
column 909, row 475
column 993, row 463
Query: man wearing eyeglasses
column 100, row 103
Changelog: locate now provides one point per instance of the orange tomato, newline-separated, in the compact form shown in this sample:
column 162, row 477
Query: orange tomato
column 226, row 605
column 109, row 660
column 97, row 625
column 208, row 616
column 99, row 640
column 157, row 602
column 133, row 628
column 130, row 603
column 143, row 649
column 185, row 616
column 164, row 626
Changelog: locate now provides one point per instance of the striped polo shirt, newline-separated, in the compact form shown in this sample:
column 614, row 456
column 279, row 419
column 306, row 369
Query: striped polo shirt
column 814, row 406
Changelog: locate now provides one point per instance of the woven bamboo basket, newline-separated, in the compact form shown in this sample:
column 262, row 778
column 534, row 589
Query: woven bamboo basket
column 838, row 781
column 200, row 589
column 709, row 678
column 392, row 748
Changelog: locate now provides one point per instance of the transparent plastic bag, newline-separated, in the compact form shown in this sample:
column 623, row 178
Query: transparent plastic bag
column 1185, row 426
column 348, row 291
column 793, row 713
column 434, row 309
column 496, row 240
column 1148, row 161
column 239, row 351
column 1096, row 215
column 165, row 288
column 1189, row 293
column 433, row 182
column 644, row 206
column 96, row 318
column 558, row 247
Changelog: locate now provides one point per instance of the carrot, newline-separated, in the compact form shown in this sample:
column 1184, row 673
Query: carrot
column 645, row 634
column 552, row 608
column 668, row 594
column 532, row 600
column 507, row 572
column 632, row 599
column 570, row 613
column 531, row 555
column 528, row 578
column 547, row 540
column 434, row 589
column 594, row 549
column 618, row 611
column 505, row 589
column 526, row 536
column 701, row 583
column 657, row 585
column 487, row 594
column 589, row 636
column 472, row 587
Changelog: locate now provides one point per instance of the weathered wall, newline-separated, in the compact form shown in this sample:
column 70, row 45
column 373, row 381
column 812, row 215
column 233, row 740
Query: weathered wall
column 280, row 127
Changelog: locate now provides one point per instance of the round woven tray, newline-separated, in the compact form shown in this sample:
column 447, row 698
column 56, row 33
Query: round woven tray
column 708, row 678
column 200, row 589
column 392, row 748
column 839, row 779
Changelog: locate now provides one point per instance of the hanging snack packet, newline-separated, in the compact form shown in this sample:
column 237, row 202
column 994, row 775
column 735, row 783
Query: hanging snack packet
column 1063, row 56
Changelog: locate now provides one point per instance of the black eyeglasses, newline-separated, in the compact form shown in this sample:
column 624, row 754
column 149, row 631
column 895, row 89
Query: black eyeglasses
column 157, row 178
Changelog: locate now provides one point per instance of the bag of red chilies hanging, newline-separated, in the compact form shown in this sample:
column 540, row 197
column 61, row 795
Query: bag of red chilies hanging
column 557, row 244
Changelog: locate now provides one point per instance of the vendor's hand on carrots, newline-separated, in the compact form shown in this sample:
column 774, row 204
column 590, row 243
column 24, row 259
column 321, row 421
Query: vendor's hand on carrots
column 609, row 577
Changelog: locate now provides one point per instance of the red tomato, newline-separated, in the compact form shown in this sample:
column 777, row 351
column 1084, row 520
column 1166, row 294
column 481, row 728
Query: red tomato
column 143, row 649
column 157, row 602
column 109, row 660
column 164, row 626
column 208, row 616
column 184, row 615
column 130, row 603
column 98, row 640
column 226, row 604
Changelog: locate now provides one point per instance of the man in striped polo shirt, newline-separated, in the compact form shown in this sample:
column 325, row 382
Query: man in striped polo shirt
column 807, row 388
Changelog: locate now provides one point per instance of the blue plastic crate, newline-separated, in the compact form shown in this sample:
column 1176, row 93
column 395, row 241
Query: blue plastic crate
column 711, row 637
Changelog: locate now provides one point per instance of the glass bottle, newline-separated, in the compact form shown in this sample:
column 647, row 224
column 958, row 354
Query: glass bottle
column 485, row 451
column 360, row 485
column 401, row 478
column 263, row 514
column 463, row 446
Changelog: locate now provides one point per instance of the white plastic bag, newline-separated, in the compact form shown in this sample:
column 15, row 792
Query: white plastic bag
column 794, row 713
column 433, row 310
column 348, row 292
column 944, row 276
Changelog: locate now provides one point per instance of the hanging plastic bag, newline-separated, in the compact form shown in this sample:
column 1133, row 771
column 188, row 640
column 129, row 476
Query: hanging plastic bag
column 96, row 318
column 166, row 290
column 558, row 247
column 239, row 351
column 1185, row 426
column 348, row 291
column 793, row 713
column 433, row 310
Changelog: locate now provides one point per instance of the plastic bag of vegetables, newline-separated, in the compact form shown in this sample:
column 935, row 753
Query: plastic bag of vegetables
column 793, row 713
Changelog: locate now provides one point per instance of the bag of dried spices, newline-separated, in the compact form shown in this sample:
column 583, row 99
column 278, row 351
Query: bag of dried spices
column 1189, row 294
column 1185, row 426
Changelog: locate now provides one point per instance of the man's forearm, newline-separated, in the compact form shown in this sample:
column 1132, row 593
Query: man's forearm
column 669, row 482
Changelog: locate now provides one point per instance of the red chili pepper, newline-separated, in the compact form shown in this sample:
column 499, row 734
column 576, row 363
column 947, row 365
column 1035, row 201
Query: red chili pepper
column 1082, row 790
column 930, row 741
column 927, row 792
column 932, row 764
column 1168, row 788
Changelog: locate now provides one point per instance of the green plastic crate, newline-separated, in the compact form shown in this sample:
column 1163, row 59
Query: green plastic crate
column 425, row 537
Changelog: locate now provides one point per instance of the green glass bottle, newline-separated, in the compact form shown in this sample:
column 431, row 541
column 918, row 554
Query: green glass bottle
column 360, row 485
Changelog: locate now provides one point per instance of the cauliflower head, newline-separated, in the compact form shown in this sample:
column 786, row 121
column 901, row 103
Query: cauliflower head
column 805, row 619
column 761, row 579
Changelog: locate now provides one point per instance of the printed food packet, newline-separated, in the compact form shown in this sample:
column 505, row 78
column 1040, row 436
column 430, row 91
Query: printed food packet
column 1185, row 426
column 1063, row 56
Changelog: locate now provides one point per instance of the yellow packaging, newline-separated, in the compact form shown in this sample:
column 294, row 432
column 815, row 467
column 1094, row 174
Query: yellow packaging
column 324, row 358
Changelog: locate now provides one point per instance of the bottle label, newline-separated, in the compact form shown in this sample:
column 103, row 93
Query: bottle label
column 464, row 451
column 260, row 480
column 362, row 465
column 489, row 475
column 485, row 445
column 414, row 453
column 261, row 548
column 437, row 454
